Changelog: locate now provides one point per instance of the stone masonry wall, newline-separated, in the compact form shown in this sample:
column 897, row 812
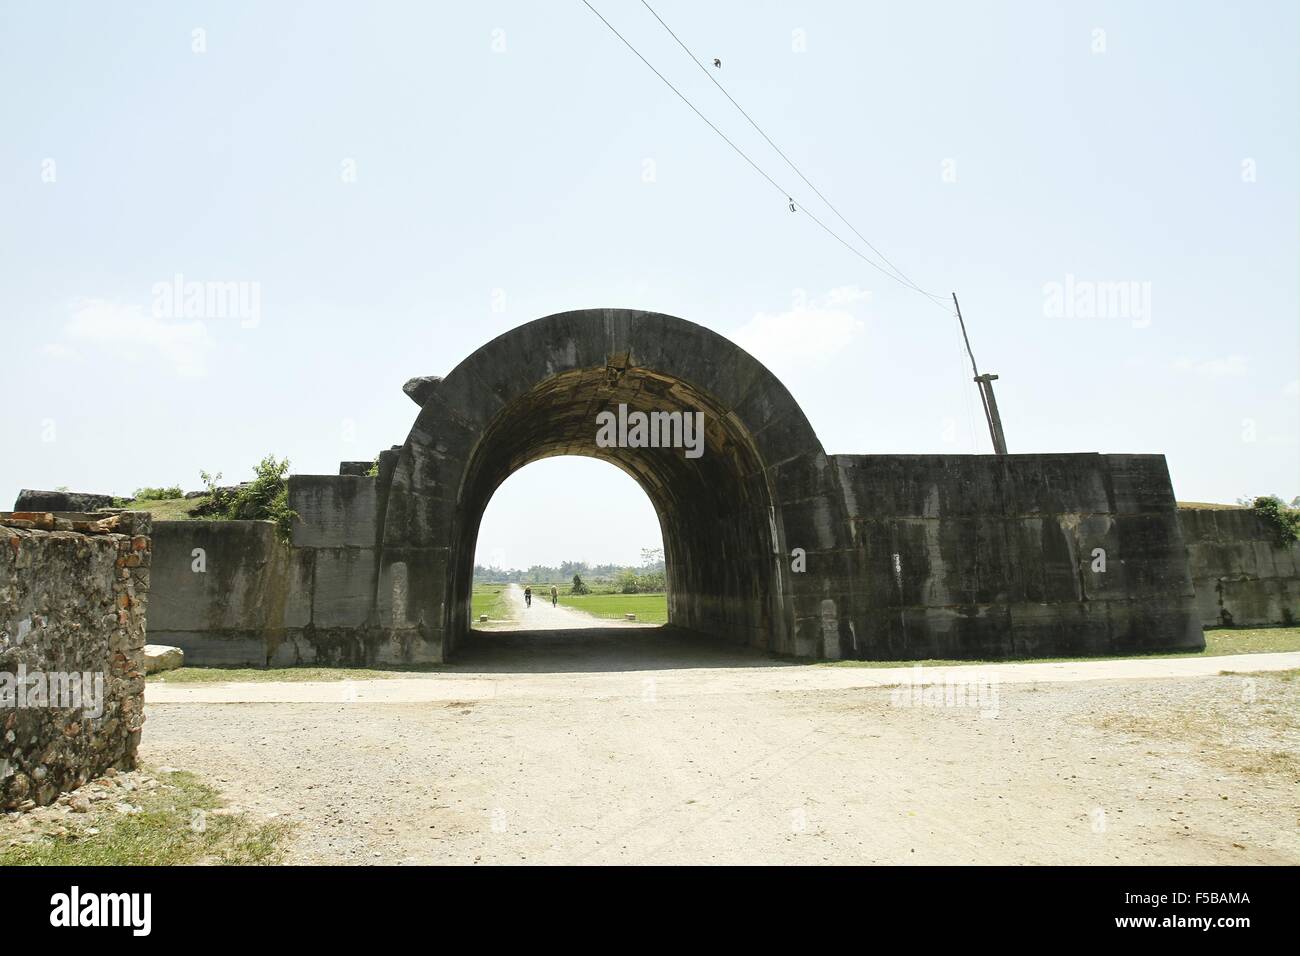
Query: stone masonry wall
column 232, row 594
column 1242, row 578
column 73, row 597
column 960, row 556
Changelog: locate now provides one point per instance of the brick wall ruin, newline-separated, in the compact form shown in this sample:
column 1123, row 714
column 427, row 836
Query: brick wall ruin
column 74, row 592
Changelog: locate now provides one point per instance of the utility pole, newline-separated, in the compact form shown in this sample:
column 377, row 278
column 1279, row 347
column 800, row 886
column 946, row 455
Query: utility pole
column 985, row 383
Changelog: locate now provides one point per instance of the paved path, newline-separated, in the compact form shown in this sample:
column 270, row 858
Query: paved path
column 612, row 662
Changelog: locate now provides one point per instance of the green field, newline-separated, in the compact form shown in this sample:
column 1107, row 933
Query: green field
column 489, row 599
column 652, row 608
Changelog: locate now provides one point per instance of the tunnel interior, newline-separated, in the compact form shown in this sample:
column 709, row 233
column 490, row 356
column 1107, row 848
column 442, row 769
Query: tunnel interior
column 714, row 510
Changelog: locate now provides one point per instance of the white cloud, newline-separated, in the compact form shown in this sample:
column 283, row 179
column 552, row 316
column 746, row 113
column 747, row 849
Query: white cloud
column 810, row 333
column 127, row 332
column 1213, row 368
column 1292, row 388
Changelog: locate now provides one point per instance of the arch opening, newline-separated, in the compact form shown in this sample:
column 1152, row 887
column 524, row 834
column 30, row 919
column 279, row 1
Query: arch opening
column 713, row 510
column 560, row 518
column 725, row 506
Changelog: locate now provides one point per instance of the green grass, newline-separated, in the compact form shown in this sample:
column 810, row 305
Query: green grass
column 1219, row 642
column 489, row 599
column 165, row 833
column 167, row 509
column 210, row 675
column 652, row 608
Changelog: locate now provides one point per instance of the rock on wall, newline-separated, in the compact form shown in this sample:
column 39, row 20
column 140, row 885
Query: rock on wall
column 73, row 598
column 1241, row 577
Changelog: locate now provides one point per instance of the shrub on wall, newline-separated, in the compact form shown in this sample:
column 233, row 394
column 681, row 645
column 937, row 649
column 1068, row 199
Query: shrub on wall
column 265, row 498
column 1284, row 522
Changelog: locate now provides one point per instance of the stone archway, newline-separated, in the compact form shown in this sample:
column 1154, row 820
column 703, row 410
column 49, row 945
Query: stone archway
column 535, row 392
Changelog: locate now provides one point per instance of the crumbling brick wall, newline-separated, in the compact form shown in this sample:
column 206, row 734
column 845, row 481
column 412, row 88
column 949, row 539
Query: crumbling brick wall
column 73, row 597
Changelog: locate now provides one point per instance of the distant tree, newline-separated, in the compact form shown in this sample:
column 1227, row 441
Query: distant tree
column 578, row 586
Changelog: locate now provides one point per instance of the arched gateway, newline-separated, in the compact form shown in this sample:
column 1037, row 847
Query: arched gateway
column 768, row 539
column 730, row 511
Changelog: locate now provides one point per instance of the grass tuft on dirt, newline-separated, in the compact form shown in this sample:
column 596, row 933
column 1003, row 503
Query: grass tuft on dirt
column 179, row 821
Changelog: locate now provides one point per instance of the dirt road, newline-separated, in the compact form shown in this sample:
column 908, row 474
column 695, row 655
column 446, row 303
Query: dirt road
column 620, row 746
column 543, row 616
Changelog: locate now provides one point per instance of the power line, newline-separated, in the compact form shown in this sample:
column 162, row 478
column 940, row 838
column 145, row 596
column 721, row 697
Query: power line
column 789, row 162
column 906, row 283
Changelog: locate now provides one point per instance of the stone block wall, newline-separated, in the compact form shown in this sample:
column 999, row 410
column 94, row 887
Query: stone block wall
column 1242, row 578
column 965, row 556
column 74, row 593
column 230, row 593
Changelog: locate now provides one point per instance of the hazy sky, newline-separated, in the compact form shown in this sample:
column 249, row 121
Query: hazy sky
column 401, row 183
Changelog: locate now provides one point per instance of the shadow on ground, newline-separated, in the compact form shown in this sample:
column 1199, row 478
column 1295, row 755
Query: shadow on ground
column 601, row 650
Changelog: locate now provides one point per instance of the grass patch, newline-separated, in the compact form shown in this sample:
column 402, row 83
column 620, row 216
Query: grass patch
column 489, row 599
column 1219, row 642
column 176, row 825
column 1251, row 640
column 652, row 608
column 210, row 675
column 167, row 509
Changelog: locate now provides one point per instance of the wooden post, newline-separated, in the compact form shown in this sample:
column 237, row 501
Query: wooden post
column 985, row 383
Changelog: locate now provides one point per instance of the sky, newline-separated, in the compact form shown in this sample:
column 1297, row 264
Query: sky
column 390, row 186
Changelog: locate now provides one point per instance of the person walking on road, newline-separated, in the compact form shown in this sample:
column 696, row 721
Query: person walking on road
column 555, row 597
column 528, row 597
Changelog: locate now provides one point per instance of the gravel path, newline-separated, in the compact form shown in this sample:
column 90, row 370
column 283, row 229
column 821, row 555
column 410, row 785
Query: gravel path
column 594, row 748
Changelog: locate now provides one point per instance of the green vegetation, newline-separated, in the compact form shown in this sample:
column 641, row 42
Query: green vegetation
column 1284, row 522
column 489, row 599
column 652, row 608
column 168, row 509
column 647, row 576
column 306, row 672
column 1219, row 642
column 265, row 498
column 176, row 825
column 158, row 494
column 578, row 587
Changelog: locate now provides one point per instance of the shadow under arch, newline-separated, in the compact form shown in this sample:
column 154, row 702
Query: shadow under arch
column 535, row 392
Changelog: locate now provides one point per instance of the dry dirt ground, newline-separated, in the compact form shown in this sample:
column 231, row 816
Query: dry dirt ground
column 644, row 746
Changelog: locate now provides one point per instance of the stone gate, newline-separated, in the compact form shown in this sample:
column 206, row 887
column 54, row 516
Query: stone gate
column 768, row 539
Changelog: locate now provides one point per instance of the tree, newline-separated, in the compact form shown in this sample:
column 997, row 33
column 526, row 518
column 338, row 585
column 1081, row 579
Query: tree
column 578, row 586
